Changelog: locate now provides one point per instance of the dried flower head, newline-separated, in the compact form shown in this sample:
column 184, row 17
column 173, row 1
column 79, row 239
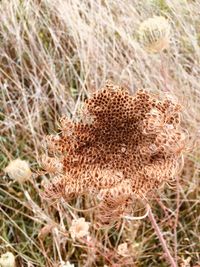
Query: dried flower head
column 7, row 260
column 79, row 228
column 154, row 34
column 18, row 170
column 130, row 148
column 123, row 250
column 66, row 264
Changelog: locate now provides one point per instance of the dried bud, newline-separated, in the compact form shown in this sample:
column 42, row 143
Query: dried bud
column 50, row 164
column 7, row 260
column 66, row 264
column 154, row 34
column 79, row 228
column 122, row 250
column 18, row 170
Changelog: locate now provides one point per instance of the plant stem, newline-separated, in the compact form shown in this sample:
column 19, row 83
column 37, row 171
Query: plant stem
column 162, row 240
column 176, row 219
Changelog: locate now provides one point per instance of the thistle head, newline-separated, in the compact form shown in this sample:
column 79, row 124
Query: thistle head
column 18, row 170
column 154, row 34
column 79, row 228
column 66, row 264
column 7, row 260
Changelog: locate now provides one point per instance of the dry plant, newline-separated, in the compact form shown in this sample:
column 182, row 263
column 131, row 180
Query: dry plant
column 154, row 34
column 54, row 55
column 122, row 146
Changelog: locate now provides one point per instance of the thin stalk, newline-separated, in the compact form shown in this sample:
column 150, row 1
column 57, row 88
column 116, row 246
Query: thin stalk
column 161, row 239
column 176, row 218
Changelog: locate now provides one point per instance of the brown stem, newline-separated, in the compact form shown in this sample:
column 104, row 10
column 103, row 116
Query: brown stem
column 176, row 218
column 162, row 240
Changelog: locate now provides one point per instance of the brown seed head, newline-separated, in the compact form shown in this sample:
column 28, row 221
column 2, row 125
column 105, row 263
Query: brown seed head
column 130, row 147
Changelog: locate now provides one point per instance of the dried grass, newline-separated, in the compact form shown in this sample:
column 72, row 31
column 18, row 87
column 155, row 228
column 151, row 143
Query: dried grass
column 53, row 55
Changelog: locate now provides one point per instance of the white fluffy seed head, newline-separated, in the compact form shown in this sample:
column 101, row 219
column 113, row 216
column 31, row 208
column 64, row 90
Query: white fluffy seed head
column 18, row 170
column 123, row 250
column 7, row 260
column 66, row 264
column 154, row 34
column 79, row 228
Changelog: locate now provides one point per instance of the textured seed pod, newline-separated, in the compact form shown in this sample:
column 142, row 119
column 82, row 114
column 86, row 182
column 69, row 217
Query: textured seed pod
column 154, row 34
column 130, row 148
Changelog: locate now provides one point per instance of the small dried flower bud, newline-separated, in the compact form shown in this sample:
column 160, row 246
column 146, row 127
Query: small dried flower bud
column 50, row 164
column 66, row 125
column 154, row 34
column 79, row 228
column 122, row 250
column 18, row 170
column 53, row 143
column 66, row 264
column 7, row 260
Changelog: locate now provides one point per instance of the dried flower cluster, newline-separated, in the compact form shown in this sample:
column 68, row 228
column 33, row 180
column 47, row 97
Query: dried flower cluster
column 124, row 146
column 154, row 34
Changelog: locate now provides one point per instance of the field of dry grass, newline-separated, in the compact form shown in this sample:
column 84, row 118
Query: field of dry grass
column 53, row 55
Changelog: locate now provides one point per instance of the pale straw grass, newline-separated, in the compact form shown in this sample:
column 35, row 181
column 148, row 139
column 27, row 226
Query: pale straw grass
column 53, row 54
